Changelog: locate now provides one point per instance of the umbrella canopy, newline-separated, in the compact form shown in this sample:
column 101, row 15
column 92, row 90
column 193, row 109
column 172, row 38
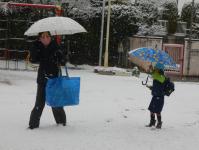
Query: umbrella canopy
column 144, row 57
column 56, row 26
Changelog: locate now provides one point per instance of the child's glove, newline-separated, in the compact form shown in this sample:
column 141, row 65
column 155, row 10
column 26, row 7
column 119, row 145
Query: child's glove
column 150, row 87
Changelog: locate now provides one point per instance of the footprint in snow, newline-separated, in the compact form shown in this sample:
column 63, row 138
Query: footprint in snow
column 124, row 116
column 109, row 120
column 127, row 109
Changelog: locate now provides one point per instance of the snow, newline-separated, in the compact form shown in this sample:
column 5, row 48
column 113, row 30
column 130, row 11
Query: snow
column 113, row 69
column 111, row 115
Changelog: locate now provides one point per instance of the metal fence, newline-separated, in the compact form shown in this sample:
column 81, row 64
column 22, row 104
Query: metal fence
column 15, row 60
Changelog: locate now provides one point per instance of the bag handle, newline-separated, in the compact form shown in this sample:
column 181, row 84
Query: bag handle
column 66, row 70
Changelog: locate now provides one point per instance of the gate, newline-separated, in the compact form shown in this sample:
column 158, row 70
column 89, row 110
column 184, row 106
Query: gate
column 176, row 51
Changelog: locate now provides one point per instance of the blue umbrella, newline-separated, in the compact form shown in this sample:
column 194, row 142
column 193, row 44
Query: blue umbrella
column 160, row 58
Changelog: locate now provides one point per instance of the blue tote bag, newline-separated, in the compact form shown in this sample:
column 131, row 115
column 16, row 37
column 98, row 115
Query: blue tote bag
column 63, row 91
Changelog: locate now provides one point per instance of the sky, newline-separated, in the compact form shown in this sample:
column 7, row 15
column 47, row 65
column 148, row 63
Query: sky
column 181, row 3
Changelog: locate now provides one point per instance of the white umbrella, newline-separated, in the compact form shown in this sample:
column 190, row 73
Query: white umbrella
column 56, row 26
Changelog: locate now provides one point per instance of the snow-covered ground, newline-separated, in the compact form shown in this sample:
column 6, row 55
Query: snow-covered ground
column 112, row 115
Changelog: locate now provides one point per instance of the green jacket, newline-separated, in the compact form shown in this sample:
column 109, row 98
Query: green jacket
column 157, row 76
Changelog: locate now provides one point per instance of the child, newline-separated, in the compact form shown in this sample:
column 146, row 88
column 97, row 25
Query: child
column 157, row 91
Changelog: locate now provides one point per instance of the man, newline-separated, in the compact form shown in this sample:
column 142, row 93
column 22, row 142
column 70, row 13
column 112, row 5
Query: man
column 47, row 53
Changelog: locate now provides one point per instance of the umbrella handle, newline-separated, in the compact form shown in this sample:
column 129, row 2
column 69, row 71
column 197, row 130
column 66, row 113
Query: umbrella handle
column 145, row 81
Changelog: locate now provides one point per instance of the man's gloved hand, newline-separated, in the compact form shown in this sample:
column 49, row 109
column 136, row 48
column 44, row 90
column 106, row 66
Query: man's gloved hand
column 60, row 57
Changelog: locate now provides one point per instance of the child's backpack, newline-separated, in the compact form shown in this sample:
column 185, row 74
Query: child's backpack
column 169, row 87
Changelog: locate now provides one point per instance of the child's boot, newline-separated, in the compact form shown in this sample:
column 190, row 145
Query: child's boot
column 152, row 122
column 159, row 124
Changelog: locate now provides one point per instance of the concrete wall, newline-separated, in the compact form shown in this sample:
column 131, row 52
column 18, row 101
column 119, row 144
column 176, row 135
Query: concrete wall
column 193, row 69
column 145, row 41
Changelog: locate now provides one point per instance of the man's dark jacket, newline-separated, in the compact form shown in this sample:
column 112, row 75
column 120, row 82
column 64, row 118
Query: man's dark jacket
column 49, row 59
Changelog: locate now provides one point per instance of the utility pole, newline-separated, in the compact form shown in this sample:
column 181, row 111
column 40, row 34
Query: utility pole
column 107, row 34
column 190, row 37
column 102, row 35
